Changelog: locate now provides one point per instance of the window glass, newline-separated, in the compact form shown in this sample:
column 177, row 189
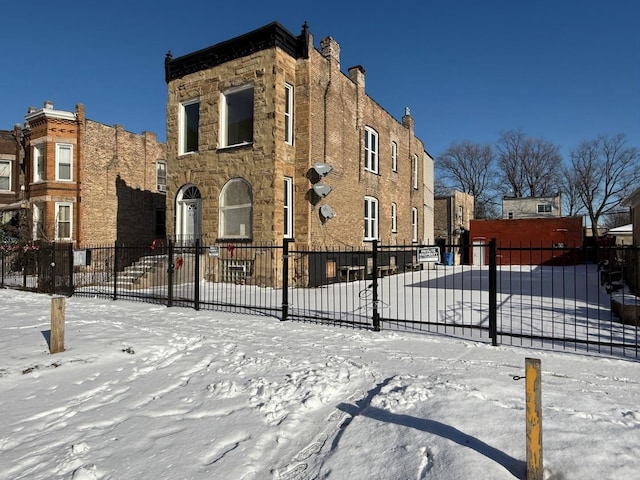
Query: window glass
column 63, row 221
column 288, row 114
column 370, row 150
column 161, row 176
column 5, row 175
column 288, row 207
column 238, row 119
column 38, row 160
column 63, row 161
column 394, row 156
column 236, row 209
column 370, row 218
column 190, row 120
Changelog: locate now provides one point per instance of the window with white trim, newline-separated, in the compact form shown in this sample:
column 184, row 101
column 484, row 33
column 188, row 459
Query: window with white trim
column 370, row 149
column 414, row 224
column 236, row 209
column 370, row 218
column 5, row 175
column 394, row 156
column 415, row 172
column 64, row 161
column 288, row 207
column 288, row 113
column 189, row 118
column 64, row 225
column 236, row 116
column 38, row 163
column 161, row 176
column 394, row 218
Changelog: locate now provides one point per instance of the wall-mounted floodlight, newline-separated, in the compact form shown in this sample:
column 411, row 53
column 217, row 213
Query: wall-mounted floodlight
column 326, row 212
column 322, row 190
column 322, row 169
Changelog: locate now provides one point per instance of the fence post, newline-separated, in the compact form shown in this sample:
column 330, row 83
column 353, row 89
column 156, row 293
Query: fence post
column 374, row 287
column 534, row 418
column 71, row 285
column 56, row 335
column 2, row 257
column 115, row 270
column 170, row 273
column 196, row 274
column 493, row 293
column 285, row 278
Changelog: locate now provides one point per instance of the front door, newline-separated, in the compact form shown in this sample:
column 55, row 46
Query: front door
column 188, row 220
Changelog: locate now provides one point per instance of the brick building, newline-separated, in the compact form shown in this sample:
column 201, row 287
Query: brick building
column 452, row 214
column 89, row 183
column 534, row 236
column 532, row 207
column 11, row 161
column 268, row 139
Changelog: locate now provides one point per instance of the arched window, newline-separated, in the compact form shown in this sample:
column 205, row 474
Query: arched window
column 236, row 209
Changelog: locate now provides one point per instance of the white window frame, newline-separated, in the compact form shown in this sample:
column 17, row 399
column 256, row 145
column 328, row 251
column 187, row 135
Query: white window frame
column 8, row 174
column 161, row 176
column 224, row 209
column 288, row 207
column 183, row 120
column 371, row 215
column 60, row 147
column 288, row 114
column 59, row 206
column 224, row 116
column 414, row 224
column 394, row 218
column 394, row 157
column 415, row 172
column 38, row 163
column 371, row 150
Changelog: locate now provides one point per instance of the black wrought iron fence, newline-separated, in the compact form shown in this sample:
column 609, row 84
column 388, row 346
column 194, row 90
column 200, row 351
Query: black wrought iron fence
column 569, row 298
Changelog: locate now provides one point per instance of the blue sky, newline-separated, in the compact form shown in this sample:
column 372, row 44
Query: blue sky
column 563, row 70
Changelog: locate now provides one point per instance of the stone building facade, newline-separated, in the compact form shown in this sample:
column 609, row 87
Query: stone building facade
column 91, row 184
column 268, row 139
column 452, row 214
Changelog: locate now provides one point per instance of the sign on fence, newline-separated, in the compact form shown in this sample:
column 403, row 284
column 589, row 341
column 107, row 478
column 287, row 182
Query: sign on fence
column 429, row 254
column 214, row 251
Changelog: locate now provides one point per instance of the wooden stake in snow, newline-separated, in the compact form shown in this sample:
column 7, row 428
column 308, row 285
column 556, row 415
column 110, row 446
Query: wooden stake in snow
column 534, row 418
column 56, row 340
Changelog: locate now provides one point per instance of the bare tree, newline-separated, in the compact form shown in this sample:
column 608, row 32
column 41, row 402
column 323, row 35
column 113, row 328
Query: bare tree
column 606, row 171
column 470, row 167
column 570, row 195
column 530, row 166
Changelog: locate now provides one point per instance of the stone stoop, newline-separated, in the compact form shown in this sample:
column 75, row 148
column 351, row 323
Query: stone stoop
column 146, row 272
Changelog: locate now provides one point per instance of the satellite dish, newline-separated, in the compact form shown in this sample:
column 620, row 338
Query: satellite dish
column 322, row 190
column 327, row 212
column 322, row 169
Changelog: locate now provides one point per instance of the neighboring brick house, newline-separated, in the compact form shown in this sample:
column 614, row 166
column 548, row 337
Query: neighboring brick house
column 532, row 207
column 452, row 214
column 253, row 125
column 11, row 159
column 531, row 238
column 89, row 183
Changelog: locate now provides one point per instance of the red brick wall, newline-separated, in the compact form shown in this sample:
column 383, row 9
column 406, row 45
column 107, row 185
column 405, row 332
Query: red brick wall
column 532, row 237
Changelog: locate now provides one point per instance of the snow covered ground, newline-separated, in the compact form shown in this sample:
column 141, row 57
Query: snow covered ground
column 143, row 391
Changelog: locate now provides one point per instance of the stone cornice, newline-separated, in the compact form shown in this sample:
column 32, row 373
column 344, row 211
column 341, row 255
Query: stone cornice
column 269, row 36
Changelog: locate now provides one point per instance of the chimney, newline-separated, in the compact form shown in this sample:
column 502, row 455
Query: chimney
column 48, row 104
column 330, row 50
column 356, row 74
